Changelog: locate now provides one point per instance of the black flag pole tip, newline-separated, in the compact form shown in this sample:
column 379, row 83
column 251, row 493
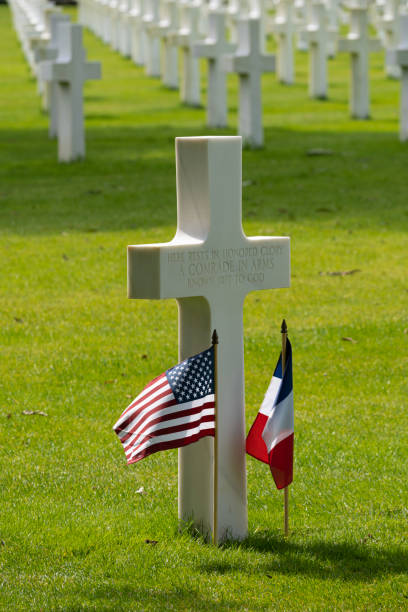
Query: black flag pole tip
column 215, row 337
column 284, row 328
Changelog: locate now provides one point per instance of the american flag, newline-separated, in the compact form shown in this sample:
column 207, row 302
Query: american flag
column 174, row 409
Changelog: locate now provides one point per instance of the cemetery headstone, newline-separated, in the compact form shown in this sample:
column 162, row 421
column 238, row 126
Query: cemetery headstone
column 249, row 63
column 186, row 38
column 50, row 88
column 69, row 71
column 166, row 30
column 209, row 267
column 316, row 33
column 123, row 28
column 151, row 20
column 113, row 24
column 214, row 48
column 138, row 39
column 402, row 60
column 359, row 45
column 284, row 29
column 390, row 23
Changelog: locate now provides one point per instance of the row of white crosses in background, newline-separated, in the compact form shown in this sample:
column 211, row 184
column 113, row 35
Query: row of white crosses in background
column 249, row 63
column 54, row 50
column 218, row 51
column 31, row 20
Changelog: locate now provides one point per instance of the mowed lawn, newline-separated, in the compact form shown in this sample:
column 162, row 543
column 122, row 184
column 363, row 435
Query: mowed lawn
column 74, row 526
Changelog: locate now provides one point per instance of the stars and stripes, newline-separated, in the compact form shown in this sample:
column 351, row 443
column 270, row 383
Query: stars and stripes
column 271, row 436
column 174, row 409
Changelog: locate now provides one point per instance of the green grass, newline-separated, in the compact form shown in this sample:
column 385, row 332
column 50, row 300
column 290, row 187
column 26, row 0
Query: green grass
column 72, row 528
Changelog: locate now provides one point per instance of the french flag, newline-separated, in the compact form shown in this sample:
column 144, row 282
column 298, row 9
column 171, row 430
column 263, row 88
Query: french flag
column 271, row 436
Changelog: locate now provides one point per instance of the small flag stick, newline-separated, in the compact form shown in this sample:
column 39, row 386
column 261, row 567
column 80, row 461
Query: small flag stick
column 215, row 345
column 284, row 332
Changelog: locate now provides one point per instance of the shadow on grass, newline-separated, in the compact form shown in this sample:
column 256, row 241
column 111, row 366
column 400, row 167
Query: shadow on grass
column 127, row 181
column 158, row 598
column 319, row 559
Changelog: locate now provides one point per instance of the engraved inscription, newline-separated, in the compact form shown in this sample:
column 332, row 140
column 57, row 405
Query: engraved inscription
column 227, row 267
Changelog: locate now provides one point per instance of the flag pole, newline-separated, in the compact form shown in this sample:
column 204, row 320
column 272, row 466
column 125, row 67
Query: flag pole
column 284, row 332
column 215, row 345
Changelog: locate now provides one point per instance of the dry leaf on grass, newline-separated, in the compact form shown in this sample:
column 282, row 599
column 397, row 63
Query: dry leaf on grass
column 31, row 412
column 348, row 339
column 340, row 273
column 319, row 152
column 152, row 542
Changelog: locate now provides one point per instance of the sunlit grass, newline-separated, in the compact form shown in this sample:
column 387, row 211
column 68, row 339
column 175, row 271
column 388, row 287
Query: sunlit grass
column 73, row 530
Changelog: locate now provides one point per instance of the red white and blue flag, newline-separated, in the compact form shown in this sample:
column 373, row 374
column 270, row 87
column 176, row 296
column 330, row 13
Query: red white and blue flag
column 271, row 436
column 173, row 410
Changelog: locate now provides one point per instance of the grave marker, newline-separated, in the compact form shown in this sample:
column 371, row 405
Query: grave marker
column 402, row 60
column 249, row 63
column 316, row 35
column 166, row 30
column 186, row 38
column 150, row 21
column 50, row 88
column 390, row 23
column 70, row 71
column 359, row 45
column 209, row 267
column 214, row 48
column 138, row 39
column 284, row 29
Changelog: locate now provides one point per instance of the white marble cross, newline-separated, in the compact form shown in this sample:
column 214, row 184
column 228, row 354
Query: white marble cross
column 113, row 24
column 209, row 267
column 302, row 12
column 166, row 29
column 50, row 103
column 359, row 45
column 237, row 9
column 151, row 20
column 283, row 28
column 333, row 16
column 249, row 63
column 70, row 71
column 316, row 35
column 138, row 38
column 390, row 23
column 186, row 37
column 124, row 27
column 214, row 48
column 402, row 60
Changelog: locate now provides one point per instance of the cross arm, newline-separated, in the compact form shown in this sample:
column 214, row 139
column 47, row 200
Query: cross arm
column 349, row 45
column 43, row 54
column 402, row 57
column 195, row 268
column 374, row 45
column 268, row 63
column 204, row 48
column 54, row 71
column 93, row 71
column 158, row 271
